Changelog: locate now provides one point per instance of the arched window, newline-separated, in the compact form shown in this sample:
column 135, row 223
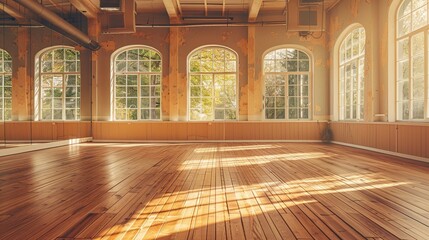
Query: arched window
column 287, row 84
column 137, row 84
column 59, row 84
column 5, row 85
column 412, row 60
column 212, row 81
column 351, row 75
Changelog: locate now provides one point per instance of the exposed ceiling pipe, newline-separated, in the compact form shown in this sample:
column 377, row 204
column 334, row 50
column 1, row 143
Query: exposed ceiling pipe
column 53, row 21
column 212, row 24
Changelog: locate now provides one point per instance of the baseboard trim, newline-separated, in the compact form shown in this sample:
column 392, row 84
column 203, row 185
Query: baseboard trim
column 396, row 154
column 203, row 141
column 36, row 147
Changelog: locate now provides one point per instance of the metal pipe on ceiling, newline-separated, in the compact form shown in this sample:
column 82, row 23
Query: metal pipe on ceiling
column 53, row 21
column 212, row 24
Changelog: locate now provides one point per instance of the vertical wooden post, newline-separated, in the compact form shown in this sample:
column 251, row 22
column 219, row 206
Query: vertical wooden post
column 94, row 28
column 254, row 83
column 173, row 74
column 21, row 82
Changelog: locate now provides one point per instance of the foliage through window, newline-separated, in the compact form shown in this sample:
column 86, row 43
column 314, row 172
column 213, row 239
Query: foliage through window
column 5, row 86
column 60, row 84
column 351, row 69
column 137, row 85
column 287, row 84
column 213, row 84
column 411, row 60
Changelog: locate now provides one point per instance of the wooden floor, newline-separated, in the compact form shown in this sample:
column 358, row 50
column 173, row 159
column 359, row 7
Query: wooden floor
column 212, row 191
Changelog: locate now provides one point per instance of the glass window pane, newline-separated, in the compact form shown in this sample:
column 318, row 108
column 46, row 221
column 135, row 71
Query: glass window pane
column 155, row 114
column 121, row 114
column 145, row 114
column 404, row 25
column 419, row 18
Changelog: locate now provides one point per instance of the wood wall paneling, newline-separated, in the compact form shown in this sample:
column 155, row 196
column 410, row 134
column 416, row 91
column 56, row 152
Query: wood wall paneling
column 147, row 131
column 395, row 137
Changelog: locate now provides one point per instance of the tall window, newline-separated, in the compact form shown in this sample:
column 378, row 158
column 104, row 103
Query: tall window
column 212, row 84
column 137, row 84
column 287, row 84
column 411, row 60
column 5, row 86
column 352, row 60
column 59, row 84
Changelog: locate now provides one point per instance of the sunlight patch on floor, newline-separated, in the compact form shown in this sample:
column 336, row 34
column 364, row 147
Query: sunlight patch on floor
column 177, row 212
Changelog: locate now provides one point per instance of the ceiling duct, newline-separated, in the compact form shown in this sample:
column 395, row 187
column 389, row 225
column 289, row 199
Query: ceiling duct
column 123, row 21
column 56, row 23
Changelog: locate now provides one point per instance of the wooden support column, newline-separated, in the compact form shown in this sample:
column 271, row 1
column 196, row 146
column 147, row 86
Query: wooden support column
column 22, row 107
column 254, row 83
column 94, row 29
column 173, row 74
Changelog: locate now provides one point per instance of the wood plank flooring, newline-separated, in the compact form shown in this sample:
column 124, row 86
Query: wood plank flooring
column 212, row 191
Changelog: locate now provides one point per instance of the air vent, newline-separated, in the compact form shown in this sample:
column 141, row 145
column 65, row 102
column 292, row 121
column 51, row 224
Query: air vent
column 309, row 2
column 307, row 18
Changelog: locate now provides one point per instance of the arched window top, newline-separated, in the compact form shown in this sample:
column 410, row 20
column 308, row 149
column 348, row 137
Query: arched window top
column 212, row 82
column 138, row 59
column 5, row 62
column 213, row 59
column 286, row 60
column 353, row 45
column 60, row 60
column 411, row 16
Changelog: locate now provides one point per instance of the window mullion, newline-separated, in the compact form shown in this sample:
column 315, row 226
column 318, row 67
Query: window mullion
column 139, row 95
column 426, row 82
column 63, row 100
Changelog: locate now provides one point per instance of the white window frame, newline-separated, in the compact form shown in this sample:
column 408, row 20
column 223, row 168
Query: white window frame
column 343, row 62
column 139, row 86
column 38, row 85
column 411, row 80
column 196, row 51
column 3, row 74
column 286, row 74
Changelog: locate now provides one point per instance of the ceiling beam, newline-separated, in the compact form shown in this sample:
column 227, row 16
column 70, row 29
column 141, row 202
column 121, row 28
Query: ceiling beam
column 335, row 2
column 179, row 7
column 86, row 7
column 12, row 11
column 254, row 8
column 172, row 9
